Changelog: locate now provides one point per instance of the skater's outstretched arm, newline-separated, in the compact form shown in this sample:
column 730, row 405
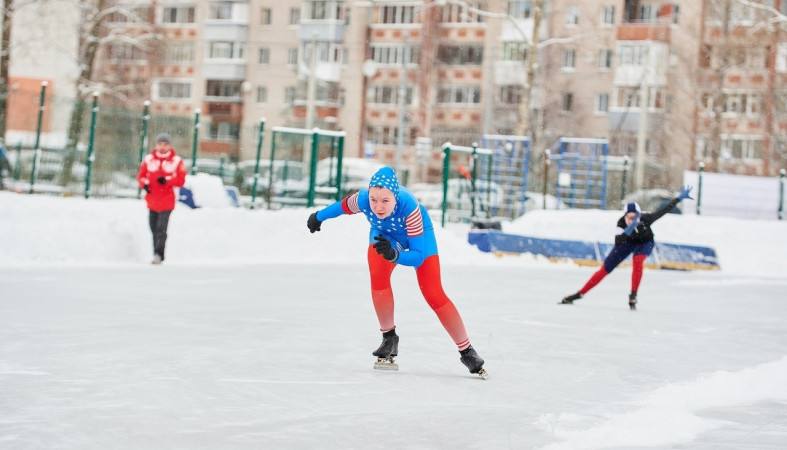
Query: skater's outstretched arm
column 685, row 192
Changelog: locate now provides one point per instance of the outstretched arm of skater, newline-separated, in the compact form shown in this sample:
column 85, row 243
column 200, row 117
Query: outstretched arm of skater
column 348, row 205
column 685, row 192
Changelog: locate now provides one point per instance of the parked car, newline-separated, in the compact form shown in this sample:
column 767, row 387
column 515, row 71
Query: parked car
column 286, row 175
column 222, row 169
column 356, row 173
column 459, row 195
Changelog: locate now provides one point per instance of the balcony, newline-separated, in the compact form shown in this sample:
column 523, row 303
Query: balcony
column 644, row 31
column 322, row 30
column 224, row 69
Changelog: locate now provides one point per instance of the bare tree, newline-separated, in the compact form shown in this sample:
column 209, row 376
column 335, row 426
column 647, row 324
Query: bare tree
column 128, row 27
column 5, row 59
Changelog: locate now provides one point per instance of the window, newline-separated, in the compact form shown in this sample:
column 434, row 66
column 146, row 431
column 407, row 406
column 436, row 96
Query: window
column 329, row 52
column 458, row 94
column 509, row 94
column 780, row 102
column 223, row 131
column 220, row 11
column 605, row 59
column 458, row 13
column 173, row 90
column 566, row 101
column 520, row 9
column 295, row 16
column 126, row 53
column 602, row 102
column 396, row 15
column 568, row 58
column 608, row 15
column 572, row 15
column 633, row 54
column 225, row 50
column 262, row 94
column 223, row 88
column 392, row 54
column 129, row 15
column 389, row 95
column 735, row 103
column 514, row 51
column 180, row 14
column 264, row 56
column 387, row 135
column 324, row 10
column 460, row 54
column 289, row 95
column 180, row 53
column 265, row 16
column 741, row 148
column 292, row 56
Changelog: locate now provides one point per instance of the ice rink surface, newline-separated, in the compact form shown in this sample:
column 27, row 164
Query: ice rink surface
column 251, row 356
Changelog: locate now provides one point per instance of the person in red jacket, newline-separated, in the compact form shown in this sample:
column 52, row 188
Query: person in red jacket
column 160, row 174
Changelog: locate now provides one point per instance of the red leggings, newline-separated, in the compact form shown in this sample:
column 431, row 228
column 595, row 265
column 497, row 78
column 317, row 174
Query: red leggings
column 636, row 275
column 428, row 275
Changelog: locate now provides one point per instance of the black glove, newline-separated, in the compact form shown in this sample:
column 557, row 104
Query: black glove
column 146, row 188
column 383, row 247
column 313, row 223
column 161, row 180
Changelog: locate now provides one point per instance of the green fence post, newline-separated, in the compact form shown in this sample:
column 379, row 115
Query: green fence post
column 313, row 169
column 446, row 168
column 260, row 135
column 90, row 157
column 143, row 142
column 474, row 182
column 547, row 162
column 699, row 189
column 37, row 149
column 194, row 142
column 625, row 176
column 339, row 159
column 781, row 193
column 18, row 165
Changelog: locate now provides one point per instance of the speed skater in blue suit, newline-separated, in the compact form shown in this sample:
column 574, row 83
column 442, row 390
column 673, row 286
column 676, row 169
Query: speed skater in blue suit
column 401, row 233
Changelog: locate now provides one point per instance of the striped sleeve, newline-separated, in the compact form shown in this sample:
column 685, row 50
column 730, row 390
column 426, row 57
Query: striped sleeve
column 350, row 204
column 414, row 223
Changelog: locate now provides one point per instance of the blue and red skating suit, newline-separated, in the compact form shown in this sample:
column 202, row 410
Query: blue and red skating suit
column 409, row 228
column 409, row 225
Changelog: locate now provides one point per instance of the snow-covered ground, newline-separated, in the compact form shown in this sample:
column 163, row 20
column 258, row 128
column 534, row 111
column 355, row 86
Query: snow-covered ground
column 257, row 334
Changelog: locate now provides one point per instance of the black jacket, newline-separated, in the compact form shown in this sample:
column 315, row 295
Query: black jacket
column 643, row 233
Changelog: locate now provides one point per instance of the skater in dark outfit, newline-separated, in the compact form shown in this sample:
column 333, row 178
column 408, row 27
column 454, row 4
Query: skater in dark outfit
column 401, row 233
column 634, row 236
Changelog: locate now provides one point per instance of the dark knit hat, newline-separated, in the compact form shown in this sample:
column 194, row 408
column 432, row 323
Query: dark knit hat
column 163, row 137
column 633, row 207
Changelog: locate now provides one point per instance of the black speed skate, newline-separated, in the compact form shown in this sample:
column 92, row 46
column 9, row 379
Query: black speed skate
column 633, row 300
column 386, row 352
column 570, row 299
column 473, row 362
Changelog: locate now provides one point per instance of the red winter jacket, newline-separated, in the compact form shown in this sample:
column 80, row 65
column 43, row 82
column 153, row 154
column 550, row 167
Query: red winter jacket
column 155, row 165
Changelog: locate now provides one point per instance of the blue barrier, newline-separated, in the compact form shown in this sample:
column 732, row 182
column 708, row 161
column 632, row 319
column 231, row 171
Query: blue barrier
column 664, row 256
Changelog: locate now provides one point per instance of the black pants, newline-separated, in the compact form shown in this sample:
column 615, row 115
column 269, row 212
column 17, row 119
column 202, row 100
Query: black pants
column 159, row 221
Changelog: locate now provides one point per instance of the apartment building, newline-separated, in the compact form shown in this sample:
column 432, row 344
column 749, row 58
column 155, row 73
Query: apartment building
column 673, row 83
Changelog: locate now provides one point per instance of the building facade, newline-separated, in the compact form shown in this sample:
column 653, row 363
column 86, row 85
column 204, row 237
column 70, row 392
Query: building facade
column 670, row 84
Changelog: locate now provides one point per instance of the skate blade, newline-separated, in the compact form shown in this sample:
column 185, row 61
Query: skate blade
column 483, row 374
column 386, row 364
